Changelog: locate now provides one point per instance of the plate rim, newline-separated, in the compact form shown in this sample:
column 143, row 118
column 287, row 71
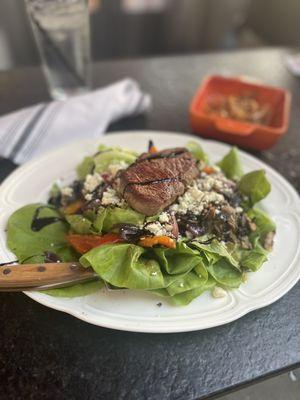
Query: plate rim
column 241, row 309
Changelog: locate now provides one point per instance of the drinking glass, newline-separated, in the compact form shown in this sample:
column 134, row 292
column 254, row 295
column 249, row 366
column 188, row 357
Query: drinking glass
column 62, row 32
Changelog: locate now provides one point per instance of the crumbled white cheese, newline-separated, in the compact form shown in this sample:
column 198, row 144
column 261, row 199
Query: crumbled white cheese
column 113, row 169
column 156, row 228
column 208, row 189
column 162, row 227
column 88, row 197
column 207, row 183
column 218, row 184
column 239, row 210
column 218, row 292
column 195, row 200
column 67, row 191
column 168, row 227
column 164, row 217
column 213, row 197
column 216, row 181
column 91, row 182
column 110, row 197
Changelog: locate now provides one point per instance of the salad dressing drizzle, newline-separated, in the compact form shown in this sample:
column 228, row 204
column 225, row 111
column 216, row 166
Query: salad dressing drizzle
column 163, row 180
column 155, row 156
column 38, row 223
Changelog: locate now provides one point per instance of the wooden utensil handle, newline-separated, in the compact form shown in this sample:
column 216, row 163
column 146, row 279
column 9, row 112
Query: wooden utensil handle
column 31, row 275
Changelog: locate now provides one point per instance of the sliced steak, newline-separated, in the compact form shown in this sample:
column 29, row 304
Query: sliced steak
column 155, row 180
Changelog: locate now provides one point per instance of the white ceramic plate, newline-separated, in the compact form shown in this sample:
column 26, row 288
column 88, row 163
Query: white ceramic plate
column 138, row 311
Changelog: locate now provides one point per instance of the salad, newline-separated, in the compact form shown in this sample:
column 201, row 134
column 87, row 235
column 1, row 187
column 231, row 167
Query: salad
column 165, row 221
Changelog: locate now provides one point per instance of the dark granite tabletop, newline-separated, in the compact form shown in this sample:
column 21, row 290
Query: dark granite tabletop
column 45, row 354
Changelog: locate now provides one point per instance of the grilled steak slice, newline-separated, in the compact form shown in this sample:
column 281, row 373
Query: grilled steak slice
column 155, row 180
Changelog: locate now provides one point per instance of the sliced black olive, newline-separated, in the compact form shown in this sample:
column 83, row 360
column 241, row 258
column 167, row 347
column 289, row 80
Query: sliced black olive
column 131, row 233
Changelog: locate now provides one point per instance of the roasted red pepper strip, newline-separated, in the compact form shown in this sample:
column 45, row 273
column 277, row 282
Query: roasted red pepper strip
column 150, row 241
column 83, row 243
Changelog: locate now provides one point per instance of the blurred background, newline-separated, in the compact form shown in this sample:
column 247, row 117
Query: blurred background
column 133, row 28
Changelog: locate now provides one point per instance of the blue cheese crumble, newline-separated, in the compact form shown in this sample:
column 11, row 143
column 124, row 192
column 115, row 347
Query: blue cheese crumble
column 91, row 182
column 164, row 217
column 113, row 169
column 158, row 229
column 194, row 200
column 110, row 198
column 67, row 191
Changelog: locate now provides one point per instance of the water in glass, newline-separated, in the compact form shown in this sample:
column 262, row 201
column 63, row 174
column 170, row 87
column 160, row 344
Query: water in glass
column 62, row 32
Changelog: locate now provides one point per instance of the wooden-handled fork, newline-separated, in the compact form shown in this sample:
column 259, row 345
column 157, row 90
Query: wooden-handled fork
column 43, row 276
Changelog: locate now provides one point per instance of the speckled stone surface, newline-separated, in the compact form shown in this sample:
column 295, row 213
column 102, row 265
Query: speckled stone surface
column 45, row 354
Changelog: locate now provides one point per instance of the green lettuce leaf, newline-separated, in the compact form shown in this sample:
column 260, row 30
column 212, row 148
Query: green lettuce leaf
column 79, row 224
column 55, row 190
column 99, row 219
column 253, row 259
column 107, row 217
column 197, row 151
column 214, row 250
column 184, row 298
column 152, row 218
column 264, row 224
column 85, row 167
column 103, row 158
column 29, row 245
column 177, row 261
column 225, row 274
column 116, row 215
column 231, row 165
column 112, row 155
column 133, row 267
column 187, row 282
column 255, row 186
column 125, row 265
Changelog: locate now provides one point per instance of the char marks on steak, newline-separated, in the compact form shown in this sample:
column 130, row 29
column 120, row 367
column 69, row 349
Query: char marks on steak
column 155, row 180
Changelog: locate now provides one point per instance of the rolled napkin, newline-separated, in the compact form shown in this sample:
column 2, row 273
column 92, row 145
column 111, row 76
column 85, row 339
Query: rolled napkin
column 32, row 131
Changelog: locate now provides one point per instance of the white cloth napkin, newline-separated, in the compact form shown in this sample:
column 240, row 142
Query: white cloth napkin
column 32, row 131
